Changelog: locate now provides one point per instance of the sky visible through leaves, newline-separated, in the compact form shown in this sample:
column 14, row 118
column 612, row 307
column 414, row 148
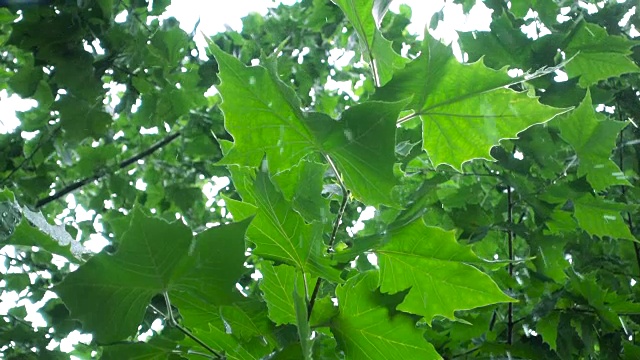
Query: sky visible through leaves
column 214, row 20
column 493, row 154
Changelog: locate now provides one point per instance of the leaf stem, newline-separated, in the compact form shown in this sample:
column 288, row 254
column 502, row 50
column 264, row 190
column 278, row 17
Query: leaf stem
column 191, row 352
column 336, row 224
column 406, row 118
column 375, row 72
column 332, row 239
column 172, row 321
column 335, row 171
column 334, row 231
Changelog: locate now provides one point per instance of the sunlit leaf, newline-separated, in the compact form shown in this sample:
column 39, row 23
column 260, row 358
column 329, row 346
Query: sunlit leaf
column 600, row 217
column 598, row 55
column 465, row 108
column 280, row 233
column 264, row 116
column 593, row 141
column 437, row 271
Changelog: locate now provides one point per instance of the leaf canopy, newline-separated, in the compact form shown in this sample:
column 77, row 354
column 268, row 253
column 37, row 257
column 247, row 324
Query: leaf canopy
column 278, row 190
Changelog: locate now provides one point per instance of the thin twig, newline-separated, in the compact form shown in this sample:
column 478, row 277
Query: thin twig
column 334, row 231
column 332, row 239
column 23, row 322
column 468, row 352
column 137, row 17
column 185, row 331
column 628, row 219
column 28, row 158
column 80, row 183
column 510, row 237
column 335, row 171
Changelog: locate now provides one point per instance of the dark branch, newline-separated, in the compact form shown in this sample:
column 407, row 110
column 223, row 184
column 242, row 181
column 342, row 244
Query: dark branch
column 332, row 239
column 28, row 158
column 510, row 237
column 80, row 183
column 188, row 333
column 628, row 218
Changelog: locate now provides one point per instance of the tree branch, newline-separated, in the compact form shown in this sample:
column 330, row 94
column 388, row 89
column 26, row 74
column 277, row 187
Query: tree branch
column 332, row 239
column 510, row 237
column 28, row 158
column 80, row 183
column 628, row 218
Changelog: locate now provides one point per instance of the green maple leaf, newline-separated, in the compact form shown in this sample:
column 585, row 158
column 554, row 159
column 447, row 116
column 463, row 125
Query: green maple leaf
column 233, row 348
column 138, row 351
column 263, row 114
column 598, row 56
column 364, row 329
column 110, row 293
column 593, row 140
column 277, row 286
column 366, row 17
column 465, row 108
column 302, row 186
column 278, row 231
column 213, row 265
column 547, row 327
column 247, row 318
column 600, row 217
column 504, row 45
column 429, row 262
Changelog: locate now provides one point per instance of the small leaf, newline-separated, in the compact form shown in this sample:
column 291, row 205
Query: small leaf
column 263, row 114
column 600, row 217
column 547, row 327
column 280, row 233
column 593, row 140
column 247, row 318
column 303, row 188
column 278, row 284
column 231, row 347
column 598, row 55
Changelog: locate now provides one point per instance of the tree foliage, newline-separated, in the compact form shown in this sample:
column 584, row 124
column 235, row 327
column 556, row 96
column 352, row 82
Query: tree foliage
column 505, row 209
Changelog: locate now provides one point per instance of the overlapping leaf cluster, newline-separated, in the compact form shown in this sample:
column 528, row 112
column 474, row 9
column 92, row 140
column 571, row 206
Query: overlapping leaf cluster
column 505, row 214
